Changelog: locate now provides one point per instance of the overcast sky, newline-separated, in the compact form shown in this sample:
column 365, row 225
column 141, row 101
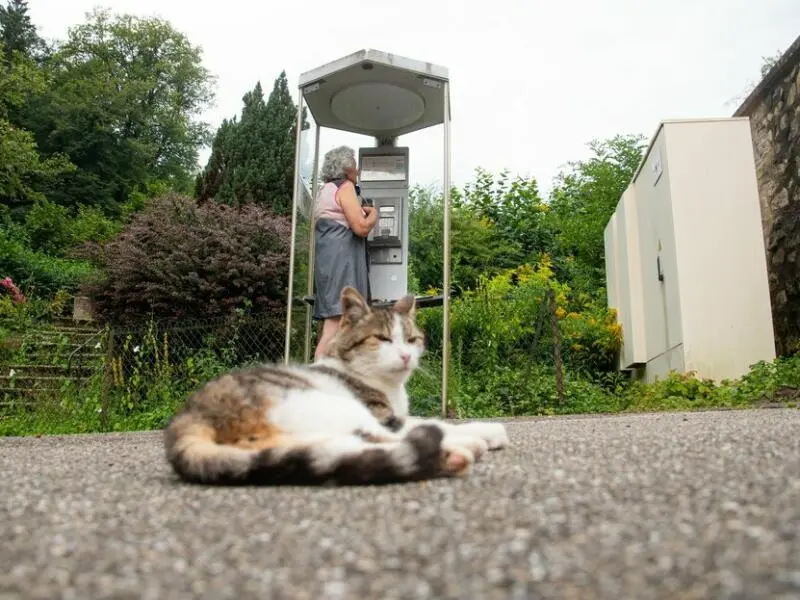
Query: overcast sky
column 532, row 81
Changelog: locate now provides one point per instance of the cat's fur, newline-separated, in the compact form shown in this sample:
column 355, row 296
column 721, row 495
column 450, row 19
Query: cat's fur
column 341, row 420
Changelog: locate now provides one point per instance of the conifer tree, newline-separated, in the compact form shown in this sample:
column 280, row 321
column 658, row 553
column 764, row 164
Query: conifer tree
column 17, row 31
column 252, row 159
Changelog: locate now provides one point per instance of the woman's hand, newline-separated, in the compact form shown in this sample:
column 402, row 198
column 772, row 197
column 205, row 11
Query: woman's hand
column 371, row 215
column 360, row 218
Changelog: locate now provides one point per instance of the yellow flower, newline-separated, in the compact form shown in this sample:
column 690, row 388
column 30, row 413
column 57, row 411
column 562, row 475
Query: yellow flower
column 560, row 312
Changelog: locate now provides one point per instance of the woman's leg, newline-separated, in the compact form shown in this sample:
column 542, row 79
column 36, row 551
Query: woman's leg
column 329, row 327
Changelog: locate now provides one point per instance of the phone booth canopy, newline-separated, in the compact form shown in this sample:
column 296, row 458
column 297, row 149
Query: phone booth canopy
column 384, row 96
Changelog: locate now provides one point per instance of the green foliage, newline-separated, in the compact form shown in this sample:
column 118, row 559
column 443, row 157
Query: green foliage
column 143, row 376
column 20, row 78
column 499, row 222
column 769, row 381
column 476, row 247
column 766, row 382
column 178, row 259
column 24, row 172
column 516, row 210
column 502, row 346
column 48, row 229
column 17, row 33
column 121, row 100
column 53, row 230
column 37, row 310
column 767, row 62
column 38, row 273
column 252, row 159
column 585, row 196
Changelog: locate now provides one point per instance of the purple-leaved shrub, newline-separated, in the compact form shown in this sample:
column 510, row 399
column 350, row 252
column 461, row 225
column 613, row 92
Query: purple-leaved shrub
column 180, row 260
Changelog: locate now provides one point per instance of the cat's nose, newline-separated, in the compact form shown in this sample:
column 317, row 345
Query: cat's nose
column 406, row 357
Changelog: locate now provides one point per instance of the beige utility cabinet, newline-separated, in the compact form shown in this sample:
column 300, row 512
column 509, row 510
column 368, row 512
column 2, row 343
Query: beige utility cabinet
column 685, row 262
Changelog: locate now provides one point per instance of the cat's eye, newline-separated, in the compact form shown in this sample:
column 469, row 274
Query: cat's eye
column 414, row 339
column 383, row 338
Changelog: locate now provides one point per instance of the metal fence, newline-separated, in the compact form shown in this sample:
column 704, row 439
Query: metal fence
column 129, row 365
column 510, row 354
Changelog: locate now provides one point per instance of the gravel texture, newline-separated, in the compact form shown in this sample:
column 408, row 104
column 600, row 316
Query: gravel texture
column 679, row 506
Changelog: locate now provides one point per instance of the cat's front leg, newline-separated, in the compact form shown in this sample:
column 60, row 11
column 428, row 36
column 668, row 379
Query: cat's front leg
column 457, row 454
column 453, row 439
column 493, row 434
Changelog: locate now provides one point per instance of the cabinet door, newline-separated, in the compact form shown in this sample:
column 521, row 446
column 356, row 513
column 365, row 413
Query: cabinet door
column 659, row 261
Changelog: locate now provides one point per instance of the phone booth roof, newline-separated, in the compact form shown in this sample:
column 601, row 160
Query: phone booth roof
column 376, row 93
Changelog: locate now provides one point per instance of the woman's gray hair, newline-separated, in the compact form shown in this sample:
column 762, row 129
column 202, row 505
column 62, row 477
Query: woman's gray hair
column 335, row 163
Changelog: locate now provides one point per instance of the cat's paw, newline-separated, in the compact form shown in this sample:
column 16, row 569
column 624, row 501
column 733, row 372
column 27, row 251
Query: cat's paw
column 456, row 460
column 477, row 445
column 495, row 435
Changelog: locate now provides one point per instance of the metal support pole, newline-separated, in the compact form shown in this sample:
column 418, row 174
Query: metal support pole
column 446, row 265
column 295, row 197
column 311, row 224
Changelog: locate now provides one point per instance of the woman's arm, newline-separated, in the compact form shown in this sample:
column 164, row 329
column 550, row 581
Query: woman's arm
column 361, row 219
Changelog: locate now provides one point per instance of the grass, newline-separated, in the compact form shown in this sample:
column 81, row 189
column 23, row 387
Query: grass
column 509, row 394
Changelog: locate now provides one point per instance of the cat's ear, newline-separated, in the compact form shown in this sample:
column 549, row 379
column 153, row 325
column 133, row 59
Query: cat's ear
column 407, row 305
column 354, row 307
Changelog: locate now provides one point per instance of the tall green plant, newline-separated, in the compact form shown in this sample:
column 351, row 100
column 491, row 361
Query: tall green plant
column 585, row 196
column 252, row 157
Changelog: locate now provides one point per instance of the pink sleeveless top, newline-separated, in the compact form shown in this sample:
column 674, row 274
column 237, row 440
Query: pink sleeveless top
column 328, row 206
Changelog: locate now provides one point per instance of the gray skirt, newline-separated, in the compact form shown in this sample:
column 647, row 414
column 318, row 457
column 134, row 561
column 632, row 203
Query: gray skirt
column 340, row 259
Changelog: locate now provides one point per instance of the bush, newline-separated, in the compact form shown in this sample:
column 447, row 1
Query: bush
column 502, row 348
column 177, row 259
column 507, row 321
column 51, row 228
column 36, row 272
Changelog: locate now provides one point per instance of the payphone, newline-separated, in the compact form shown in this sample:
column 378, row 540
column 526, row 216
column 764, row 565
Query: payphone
column 383, row 179
column 383, row 96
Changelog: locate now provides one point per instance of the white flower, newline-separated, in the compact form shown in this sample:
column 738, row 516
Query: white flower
column 135, row 349
column 97, row 345
column 11, row 373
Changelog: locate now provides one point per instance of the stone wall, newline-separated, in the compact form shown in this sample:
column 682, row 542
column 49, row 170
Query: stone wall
column 774, row 111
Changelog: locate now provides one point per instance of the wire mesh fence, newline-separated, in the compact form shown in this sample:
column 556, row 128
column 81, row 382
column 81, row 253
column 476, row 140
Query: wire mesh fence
column 516, row 348
column 113, row 370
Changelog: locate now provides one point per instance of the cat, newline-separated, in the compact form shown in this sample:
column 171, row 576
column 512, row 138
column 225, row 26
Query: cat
column 343, row 420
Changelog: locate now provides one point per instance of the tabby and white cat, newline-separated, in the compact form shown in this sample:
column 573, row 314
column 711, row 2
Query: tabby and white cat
column 342, row 420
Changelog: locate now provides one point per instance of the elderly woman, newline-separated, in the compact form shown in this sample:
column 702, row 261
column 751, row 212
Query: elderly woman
column 342, row 226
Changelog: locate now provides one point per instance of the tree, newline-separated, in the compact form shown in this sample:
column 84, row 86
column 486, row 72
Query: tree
column 17, row 32
column 476, row 246
column 252, row 159
column 220, row 163
column 767, row 62
column 517, row 211
column 25, row 173
column 123, row 104
column 586, row 194
column 280, row 130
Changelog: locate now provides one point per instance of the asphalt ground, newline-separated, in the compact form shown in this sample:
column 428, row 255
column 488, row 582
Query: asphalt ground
column 678, row 506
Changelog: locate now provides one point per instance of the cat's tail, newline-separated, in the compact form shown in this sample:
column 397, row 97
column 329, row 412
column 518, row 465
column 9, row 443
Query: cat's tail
column 196, row 457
